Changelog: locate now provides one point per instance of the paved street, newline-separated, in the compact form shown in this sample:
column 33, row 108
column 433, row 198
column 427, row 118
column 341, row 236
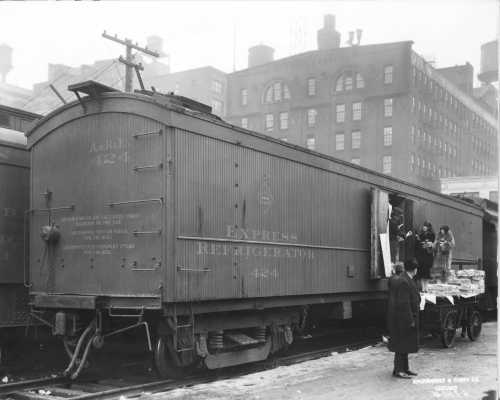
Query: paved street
column 466, row 371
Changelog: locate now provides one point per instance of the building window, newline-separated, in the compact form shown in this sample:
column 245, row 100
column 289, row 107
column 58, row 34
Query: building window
column 388, row 107
column 412, row 134
column 360, row 82
column 244, row 123
column 216, row 107
column 311, row 117
column 311, row 142
column 269, row 95
column 340, row 112
column 412, row 103
column 217, row 86
column 276, row 93
column 269, row 122
column 356, row 161
column 284, row 120
column 244, row 97
column 311, row 87
column 339, row 141
column 286, row 92
column 356, row 139
column 348, row 83
column 388, row 136
column 386, row 164
column 339, row 86
column 347, row 80
column 412, row 161
column 356, row 111
column 388, row 74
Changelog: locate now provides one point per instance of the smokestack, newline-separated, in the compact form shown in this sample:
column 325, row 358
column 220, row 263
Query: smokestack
column 328, row 37
column 260, row 54
column 5, row 61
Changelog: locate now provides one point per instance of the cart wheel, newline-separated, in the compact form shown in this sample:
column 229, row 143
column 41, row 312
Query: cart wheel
column 474, row 326
column 449, row 328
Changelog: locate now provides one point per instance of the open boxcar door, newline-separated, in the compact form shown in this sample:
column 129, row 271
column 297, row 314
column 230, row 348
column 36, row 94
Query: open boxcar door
column 380, row 209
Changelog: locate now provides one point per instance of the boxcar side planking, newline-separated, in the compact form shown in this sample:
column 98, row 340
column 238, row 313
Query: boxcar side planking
column 219, row 241
column 14, row 201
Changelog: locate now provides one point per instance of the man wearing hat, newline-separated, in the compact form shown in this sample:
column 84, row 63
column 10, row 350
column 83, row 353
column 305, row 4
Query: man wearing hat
column 402, row 316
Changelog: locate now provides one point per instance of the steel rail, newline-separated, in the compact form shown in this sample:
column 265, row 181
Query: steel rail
column 8, row 388
column 166, row 385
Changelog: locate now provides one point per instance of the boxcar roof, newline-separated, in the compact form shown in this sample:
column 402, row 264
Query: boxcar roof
column 74, row 110
column 11, row 137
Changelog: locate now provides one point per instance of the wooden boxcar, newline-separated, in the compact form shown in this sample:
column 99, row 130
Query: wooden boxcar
column 218, row 240
column 14, row 201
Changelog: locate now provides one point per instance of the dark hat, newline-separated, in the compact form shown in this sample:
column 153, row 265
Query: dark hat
column 445, row 228
column 398, row 268
column 410, row 265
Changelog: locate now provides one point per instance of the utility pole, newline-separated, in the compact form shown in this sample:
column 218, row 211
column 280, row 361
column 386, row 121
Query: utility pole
column 129, row 57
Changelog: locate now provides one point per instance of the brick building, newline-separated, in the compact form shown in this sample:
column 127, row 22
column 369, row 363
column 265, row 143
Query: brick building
column 381, row 106
column 206, row 84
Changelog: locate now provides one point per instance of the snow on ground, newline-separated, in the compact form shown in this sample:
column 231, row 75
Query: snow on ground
column 466, row 371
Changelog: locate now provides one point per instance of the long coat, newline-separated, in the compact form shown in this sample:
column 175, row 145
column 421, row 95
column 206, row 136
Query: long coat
column 425, row 256
column 402, row 312
column 442, row 260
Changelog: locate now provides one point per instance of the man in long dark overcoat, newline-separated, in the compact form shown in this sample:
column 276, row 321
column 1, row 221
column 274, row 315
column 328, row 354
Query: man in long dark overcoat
column 402, row 318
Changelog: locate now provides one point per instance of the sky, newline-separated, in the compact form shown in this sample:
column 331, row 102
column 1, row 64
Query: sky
column 219, row 33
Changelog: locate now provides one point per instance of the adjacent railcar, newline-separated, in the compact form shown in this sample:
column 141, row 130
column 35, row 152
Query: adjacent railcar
column 14, row 201
column 147, row 212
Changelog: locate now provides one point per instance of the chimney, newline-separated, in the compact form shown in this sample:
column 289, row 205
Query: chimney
column 260, row 54
column 5, row 61
column 328, row 37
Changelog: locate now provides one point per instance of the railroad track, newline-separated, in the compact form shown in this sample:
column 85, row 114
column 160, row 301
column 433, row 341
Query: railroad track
column 60, row 388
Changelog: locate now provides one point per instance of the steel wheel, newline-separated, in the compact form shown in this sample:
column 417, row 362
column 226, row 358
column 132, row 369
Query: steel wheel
column 168, row 362
column 449, row 329
column 474, row 326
